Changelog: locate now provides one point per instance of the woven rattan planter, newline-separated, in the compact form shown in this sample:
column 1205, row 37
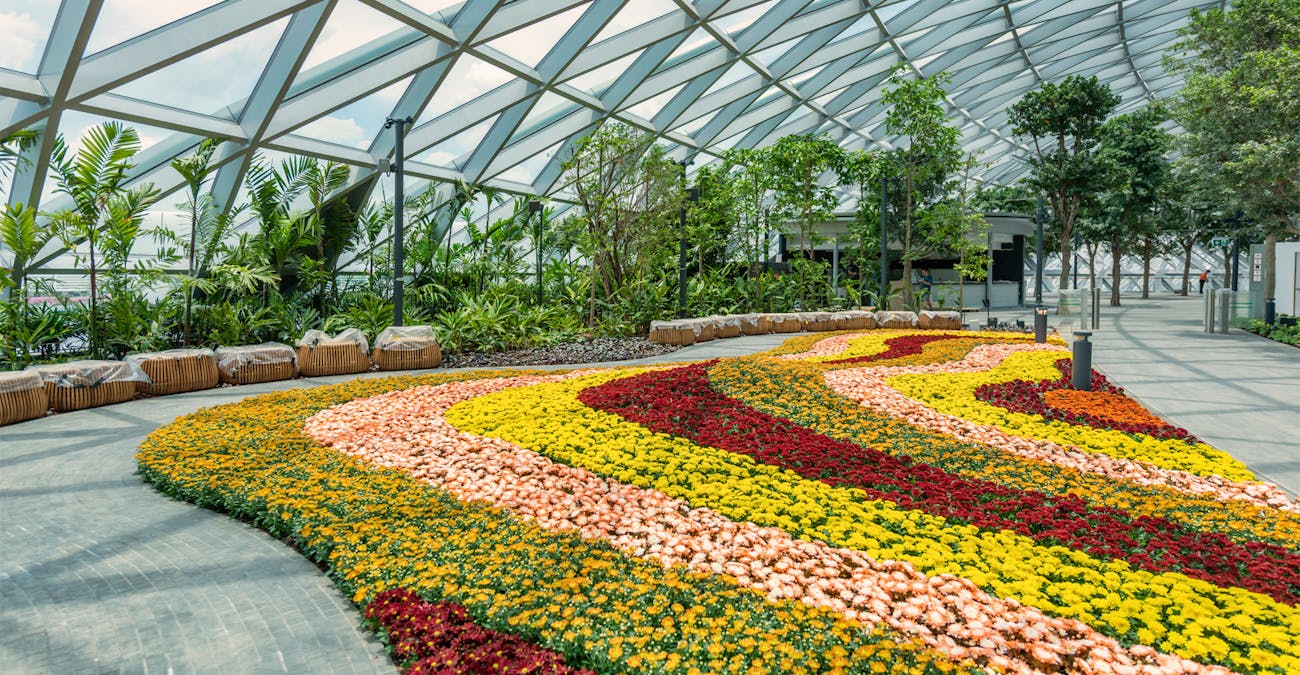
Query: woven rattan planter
column 704, row 330
column 22, row 397
column 725, row 326
column 178, row 370
column 78, row 385
column 410, row 359
column 252, row 364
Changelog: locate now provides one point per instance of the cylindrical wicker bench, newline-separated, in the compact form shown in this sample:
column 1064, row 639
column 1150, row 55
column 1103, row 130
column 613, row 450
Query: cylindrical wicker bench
column 344, row 354
column 22, row 396
column 177, row 370
column 77, row 385
column 755, row 324
column 816, row 322
column 854, row 320
column 680, row 333
column 939, row 320
column 893, row 319
column 252, row 364
column 785, row 323
column 725, row 326
column 407, row 348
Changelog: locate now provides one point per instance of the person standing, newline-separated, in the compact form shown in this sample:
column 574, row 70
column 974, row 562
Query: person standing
column 927, row 285
column 1205, row 277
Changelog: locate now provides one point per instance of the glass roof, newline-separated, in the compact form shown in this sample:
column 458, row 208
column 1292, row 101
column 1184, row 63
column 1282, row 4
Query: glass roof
column 500, row 89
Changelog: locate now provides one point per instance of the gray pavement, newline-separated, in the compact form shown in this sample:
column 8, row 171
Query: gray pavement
column 99, row 573
column 1237, row 391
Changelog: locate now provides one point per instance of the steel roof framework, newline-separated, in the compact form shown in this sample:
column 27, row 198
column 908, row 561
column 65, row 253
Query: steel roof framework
column 702, row 75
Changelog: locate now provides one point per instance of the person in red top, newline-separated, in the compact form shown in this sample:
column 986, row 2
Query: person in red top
column 1205, row 277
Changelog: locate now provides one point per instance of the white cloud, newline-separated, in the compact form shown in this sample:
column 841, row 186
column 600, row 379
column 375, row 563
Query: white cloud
column 335, row 130
column 350, row 25
column 18, row 34
column 121, row 20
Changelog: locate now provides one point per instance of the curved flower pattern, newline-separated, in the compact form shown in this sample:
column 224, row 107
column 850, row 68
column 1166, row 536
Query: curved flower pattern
column 836, row 511
column 875, row 388
column 1109, row 595
column 953, row 393
column 945, row 612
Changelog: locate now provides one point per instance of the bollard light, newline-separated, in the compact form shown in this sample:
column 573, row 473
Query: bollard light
column 1082, row 366
column 1040, row 325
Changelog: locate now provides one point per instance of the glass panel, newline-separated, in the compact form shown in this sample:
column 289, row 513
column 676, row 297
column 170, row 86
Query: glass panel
column 350, row 25
column 212, row 82
column 633, row 14
column 121, row 20
column 25, row 27
column 531, row 43
column 469, row 78
column 447, row 153
column 357, row 123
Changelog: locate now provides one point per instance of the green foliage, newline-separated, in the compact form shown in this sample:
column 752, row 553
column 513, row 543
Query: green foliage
column 629, row 191
column 1063, row 121
column 1286, row 334
column 931, row 218
column 796, row 165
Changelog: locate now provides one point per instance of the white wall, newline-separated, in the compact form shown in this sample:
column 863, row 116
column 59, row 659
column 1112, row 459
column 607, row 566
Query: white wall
column 1287, row 291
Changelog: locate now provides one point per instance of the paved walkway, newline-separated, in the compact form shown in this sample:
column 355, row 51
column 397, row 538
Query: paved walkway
column 98, row 572
column 1237, row 391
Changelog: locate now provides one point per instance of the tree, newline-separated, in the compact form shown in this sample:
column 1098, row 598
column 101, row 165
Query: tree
column 1240, row 107
column 205, row 218
column 1063, row 122
column 796, row 166
column 1132, row 157
column 95, row 180
column 923, row 166
column 629, row 191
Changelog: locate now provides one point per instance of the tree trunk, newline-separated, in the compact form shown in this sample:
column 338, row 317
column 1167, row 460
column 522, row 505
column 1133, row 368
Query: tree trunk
column 1067, row 251
column 1115, row 255
column 908, row 296
column 1227, row 268
column 1187, row 267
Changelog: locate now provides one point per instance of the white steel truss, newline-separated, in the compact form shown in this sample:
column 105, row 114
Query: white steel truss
column 702, row 75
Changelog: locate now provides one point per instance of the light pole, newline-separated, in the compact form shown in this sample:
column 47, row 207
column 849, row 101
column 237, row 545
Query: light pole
column 1236, row 244
column 1038, row 262
column 399, row 211
column 535, row 211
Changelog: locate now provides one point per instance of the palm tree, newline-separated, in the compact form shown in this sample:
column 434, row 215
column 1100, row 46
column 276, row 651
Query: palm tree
column 204, row 216
column 95, row 180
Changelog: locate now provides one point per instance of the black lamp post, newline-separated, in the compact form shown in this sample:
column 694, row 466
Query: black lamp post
column 1038, row 261
column 399, row 211
column 1236, row 245
column 535, row 211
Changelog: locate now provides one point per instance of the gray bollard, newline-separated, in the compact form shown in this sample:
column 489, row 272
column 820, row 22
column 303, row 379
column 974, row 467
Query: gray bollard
column 1223, row 310
column 1209, row 311
column 1040, row 325
column 1082, row 367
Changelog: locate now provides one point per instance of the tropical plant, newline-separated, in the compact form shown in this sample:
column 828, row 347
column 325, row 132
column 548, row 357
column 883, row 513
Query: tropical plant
column 95, row 180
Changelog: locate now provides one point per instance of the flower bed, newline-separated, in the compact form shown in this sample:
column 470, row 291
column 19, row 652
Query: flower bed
column 829, row 510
